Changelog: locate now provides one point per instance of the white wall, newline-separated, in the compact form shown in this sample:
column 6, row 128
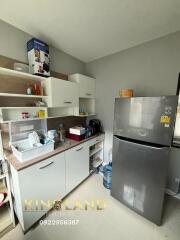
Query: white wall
column 150, row 69
column 13, row 45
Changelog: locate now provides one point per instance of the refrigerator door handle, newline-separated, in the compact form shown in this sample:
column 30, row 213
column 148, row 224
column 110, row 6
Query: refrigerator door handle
column 145, row 144
column 159, row 148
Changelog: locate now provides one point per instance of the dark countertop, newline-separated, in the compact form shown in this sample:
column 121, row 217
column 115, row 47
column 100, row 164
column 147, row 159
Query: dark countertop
column 58, row 149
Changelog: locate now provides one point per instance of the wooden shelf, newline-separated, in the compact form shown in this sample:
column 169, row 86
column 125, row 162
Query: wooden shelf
column 13, row 73
column 21, row 95
column 23, row 107
column 94, row 151
column 31, row 119
column 97, row 162
column 22, row 120
column 58, row 116
column 14, row 114
column 87, row 115
column 6, row 223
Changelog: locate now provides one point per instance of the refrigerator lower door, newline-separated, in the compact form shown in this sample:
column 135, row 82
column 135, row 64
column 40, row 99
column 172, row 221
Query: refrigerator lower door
column 139, row 177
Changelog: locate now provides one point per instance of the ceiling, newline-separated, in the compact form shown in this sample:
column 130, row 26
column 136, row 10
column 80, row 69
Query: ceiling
column 91, row 29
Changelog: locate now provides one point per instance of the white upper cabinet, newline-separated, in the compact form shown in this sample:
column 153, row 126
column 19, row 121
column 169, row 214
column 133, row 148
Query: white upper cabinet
column 86, row 85
column 61, row 93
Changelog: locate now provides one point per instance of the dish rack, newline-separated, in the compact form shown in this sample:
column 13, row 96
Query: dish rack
column 20, row 144
column 24, row 152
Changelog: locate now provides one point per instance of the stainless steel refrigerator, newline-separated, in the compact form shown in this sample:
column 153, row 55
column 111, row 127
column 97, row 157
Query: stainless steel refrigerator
column 143, row 131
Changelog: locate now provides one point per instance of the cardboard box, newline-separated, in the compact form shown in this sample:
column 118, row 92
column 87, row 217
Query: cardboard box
column 38, row 57
column 77, row 130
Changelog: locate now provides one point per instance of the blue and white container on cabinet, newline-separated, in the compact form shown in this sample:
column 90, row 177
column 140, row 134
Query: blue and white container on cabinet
column 38, row 57
column 107, row 175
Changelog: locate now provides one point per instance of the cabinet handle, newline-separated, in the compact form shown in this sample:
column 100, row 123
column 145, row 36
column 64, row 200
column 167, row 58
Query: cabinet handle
column 79, row 149
column 67, row 102
column 88, row 94
column 46, row 165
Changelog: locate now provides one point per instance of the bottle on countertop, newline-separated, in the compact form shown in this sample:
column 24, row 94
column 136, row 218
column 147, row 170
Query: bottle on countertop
column 61, row 133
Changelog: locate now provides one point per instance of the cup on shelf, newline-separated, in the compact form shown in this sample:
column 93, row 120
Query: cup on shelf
column 25, row 115
column 37, row 88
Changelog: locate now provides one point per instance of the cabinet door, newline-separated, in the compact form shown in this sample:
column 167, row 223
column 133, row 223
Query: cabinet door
column 63, row 93
column 41, row 182
column 86, row 87
column 77, row 165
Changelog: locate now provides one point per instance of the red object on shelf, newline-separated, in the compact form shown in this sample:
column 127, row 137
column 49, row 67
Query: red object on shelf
column 75, row 137
column 37, row 89
column 25, row 115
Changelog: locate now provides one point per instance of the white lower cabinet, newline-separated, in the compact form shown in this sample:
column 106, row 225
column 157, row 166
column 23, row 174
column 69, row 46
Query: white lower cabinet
column 37, row 186
column 49, row 180
column 77, row 165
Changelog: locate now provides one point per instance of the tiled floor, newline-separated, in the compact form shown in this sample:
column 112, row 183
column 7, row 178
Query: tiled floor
column 114, row 222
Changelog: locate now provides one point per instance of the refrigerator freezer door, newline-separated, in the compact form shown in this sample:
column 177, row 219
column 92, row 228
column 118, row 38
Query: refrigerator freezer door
column 139, row 177
column 149, row 119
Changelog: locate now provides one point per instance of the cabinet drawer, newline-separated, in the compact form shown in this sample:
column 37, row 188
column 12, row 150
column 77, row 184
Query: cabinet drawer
column 96, row 140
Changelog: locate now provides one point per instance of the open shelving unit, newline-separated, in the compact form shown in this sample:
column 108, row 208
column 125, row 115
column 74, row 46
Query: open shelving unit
column 60, row 112
column 96, row 155
column 14, row 113
column 3, row 187
column 14, row 100
column 7, row 219
column 88, row 104
column 21, row 95
column 95, row 150
column 13, row 97
column 14, row 73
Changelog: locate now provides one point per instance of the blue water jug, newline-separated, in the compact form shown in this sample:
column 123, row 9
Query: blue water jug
column 107, row 175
